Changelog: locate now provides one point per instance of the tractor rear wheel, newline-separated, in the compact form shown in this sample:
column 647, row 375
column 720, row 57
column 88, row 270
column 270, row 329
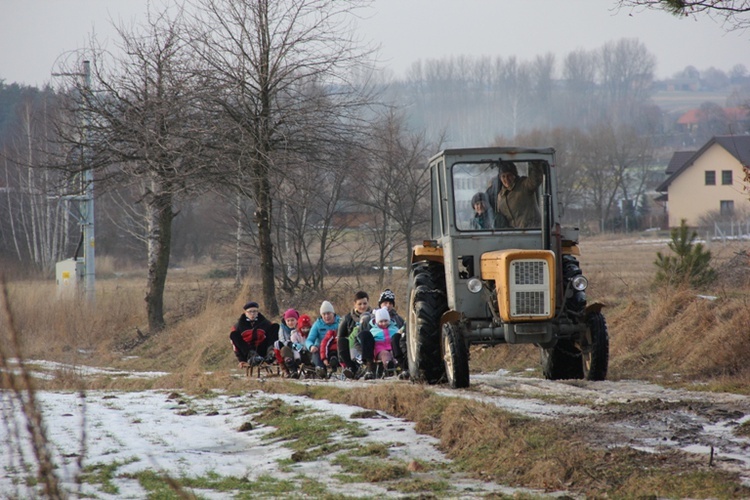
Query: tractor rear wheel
column 455, row 356
column 427, row 303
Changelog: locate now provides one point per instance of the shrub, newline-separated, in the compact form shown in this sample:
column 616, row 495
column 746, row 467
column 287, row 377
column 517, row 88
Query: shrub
column 691, row 265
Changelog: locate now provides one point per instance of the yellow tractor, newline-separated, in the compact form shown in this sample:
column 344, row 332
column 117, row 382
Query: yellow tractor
column 499, row 268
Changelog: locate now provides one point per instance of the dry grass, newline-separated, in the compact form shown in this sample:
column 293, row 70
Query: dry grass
column 70, row 330
column 656, row 333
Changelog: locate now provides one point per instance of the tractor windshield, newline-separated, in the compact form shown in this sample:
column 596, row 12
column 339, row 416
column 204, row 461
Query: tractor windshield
column 498, row 195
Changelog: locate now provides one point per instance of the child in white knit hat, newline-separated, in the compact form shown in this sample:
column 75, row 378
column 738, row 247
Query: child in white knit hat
column 382, row 329
column 328, row 320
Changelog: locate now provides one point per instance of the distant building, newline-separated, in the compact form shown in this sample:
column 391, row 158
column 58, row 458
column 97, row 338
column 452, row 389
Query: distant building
column 682, row 84
column 736, row 118
column 710, row 180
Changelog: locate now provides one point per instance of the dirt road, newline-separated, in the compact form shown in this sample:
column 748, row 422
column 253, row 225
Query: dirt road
column 636, row 414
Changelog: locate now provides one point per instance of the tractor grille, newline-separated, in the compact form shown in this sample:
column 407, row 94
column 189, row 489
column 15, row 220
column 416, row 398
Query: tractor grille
column 530, row 288
column 529, row 303
column 530, row 272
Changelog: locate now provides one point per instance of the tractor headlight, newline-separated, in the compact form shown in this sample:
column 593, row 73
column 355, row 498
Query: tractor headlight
column 474, row 285
column 580, row 283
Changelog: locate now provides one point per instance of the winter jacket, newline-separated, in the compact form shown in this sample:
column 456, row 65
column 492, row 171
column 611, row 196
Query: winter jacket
column 486, row 219
column 255, row 336
column 347, row 338
column 285, row 333
column 328, row 346
column 395, row 318
column 319, row 330
column 298, row 339
column 349, row 322
column 382, row 336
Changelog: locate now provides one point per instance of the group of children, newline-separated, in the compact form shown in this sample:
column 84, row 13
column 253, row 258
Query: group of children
column 363, row 343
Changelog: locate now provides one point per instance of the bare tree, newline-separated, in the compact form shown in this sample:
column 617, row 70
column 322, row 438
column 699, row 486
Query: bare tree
column 543, row 76
column 398, row 184
column 579, row 99
column 712, row 120
column 142, row 130
column 310, row 222
column 515, row 78
column 278, row 73
column 613, row 151
column 733, row 13
column 627, row 71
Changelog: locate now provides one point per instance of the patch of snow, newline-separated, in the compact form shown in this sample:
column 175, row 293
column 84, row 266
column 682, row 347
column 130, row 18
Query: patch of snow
column 146, row 431
column 45, row 370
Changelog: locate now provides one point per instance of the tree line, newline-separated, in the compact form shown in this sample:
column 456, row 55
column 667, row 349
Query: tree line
column 261, row 134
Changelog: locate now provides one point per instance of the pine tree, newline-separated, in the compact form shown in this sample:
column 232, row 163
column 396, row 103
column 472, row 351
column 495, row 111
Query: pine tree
column 691, row 264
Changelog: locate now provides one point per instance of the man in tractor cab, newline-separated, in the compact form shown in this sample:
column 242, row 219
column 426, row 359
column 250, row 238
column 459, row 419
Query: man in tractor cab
column 514, row 198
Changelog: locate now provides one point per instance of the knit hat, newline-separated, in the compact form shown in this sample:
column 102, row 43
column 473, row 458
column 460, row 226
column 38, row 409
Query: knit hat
column 291, row 313
column 326, row 307
column 508, row 167
column 382, row 315
column 304, row 322
column 387, row 296
column 480, row 197
column 250, row 304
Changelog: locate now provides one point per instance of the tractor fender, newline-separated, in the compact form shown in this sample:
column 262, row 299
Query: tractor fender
column 593, row 308
column 428, row 253
column 450, row 316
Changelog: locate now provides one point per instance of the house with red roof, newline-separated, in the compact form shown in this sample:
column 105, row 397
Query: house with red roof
column 738, row 119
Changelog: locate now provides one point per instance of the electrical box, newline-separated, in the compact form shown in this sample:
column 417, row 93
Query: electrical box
column 69, row 274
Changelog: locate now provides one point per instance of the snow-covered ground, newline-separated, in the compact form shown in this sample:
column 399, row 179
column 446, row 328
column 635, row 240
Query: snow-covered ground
column 183, row 436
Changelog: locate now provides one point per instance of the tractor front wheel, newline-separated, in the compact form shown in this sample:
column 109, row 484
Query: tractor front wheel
column 595, row 348
column 455, row 356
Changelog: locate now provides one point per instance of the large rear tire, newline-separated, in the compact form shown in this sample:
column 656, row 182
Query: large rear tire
column 595, row 348
column 427, row 303
column 562, row 361
column 455, row 356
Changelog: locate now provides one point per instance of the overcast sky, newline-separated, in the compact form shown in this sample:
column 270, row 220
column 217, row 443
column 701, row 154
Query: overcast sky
column 34, row 33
